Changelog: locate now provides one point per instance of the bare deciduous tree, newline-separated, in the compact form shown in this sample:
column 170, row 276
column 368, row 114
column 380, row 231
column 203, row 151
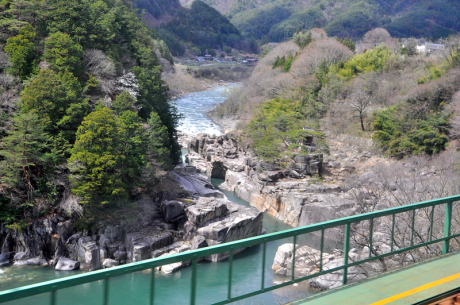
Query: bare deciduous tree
column 376, row 37
column 359, row 101
column 99, row 65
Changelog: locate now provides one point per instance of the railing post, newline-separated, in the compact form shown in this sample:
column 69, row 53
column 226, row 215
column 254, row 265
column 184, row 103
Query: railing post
column 106, row 291
column 53, row 297
column 447, row 221
column 293, row 258
column 346, row 249
column 193, row 292
column 392, row 232
column 371, row 234
column 322, row 250
column 263, row 265
column 152, row 286
column 230, row 271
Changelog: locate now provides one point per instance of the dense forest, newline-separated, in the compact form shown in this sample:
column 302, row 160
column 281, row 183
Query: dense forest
column 278, row 20
column 200, row 29
column 83, row 107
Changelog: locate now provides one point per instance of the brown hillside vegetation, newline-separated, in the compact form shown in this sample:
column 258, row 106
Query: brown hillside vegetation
column 267, row 82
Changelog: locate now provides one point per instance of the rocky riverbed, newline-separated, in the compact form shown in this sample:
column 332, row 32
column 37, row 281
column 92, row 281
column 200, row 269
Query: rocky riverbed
column 200, row 217
column 307, row 191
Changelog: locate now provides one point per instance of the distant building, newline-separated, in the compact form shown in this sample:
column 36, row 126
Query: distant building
column 430, row 47
column 229, row 58
column 208, row 57
column 199, row 58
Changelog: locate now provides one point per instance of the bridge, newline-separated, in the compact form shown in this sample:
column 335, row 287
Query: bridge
column 425, row 232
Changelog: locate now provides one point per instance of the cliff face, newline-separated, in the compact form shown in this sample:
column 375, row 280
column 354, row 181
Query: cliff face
column 280, row 191
column 201, row 218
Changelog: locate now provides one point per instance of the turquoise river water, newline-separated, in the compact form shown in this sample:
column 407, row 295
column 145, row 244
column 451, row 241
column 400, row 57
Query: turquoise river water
column 175, row 288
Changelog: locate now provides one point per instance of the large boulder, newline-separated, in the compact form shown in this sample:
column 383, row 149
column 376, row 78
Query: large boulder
column 241, row 222
column 206, row 209
column 66, row 264
column 172, row 211
column 140, row 244
column 89, row 254
column 199, row 242
column 195, row 185
column 4, row 258
column 108, row 263
column 21, row 256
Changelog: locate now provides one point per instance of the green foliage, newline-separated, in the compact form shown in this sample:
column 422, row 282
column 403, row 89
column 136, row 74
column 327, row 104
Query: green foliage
column 279, row 62
column 401, row 134
column 347, row 42
column 435, row 73
column 107, row 157
column 62, row 53
column 371, row 61
column 21, row 49
column 123, row 102
column 288, row 64
column 201, row 26
column 112, row 150
column 278, row 129
column 23, row 150
column 57, row 100
column 354, row 21
column 306, row 19
column 302, row 40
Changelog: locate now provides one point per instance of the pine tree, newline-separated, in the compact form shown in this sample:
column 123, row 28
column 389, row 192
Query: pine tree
column 23, row 150
column 107, row 157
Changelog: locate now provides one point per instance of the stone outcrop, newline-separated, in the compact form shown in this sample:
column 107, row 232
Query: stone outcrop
column 66, row 264
column 220, row 221
column 280, row 191
column 307, row 262
column 159, row 227
column 294, row 193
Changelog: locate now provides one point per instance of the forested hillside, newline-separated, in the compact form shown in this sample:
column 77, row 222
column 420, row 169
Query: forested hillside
column 83, row 108
column 278, row 20
column 409, row 104
column 197, row 29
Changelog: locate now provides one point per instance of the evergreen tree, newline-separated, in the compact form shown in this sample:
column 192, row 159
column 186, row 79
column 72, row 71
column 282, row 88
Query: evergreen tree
column 57, row 100
column 23, row 150
column 123, row 102
column 21, row 49
column 288, row 64
column 62, row 53
column 107, row 157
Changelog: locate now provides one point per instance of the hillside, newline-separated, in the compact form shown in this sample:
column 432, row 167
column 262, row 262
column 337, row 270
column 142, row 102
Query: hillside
column 278, row 20
column 85, row 115
column 408, row 104
column 198, row 29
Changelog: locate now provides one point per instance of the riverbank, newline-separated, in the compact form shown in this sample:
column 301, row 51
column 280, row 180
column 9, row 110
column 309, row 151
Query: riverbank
column 183, row 80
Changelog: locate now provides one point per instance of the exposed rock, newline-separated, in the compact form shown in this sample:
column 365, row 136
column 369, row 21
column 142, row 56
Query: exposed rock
column 107, row 263
column 206, row 209
column 89, row 254
column 37, row 261
column 172, row 211
column 4, row 258
column 168, row 269
column 197, row 185
column 66, row 264
column 140, row 244
column 21, row 256
column 199, row 242
column 120, row 255
column 241, row 222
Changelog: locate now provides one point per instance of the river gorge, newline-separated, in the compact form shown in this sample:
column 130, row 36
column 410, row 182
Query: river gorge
column 212, row 277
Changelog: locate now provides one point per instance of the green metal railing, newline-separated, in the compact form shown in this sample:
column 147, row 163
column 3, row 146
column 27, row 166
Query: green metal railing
column 105, row 274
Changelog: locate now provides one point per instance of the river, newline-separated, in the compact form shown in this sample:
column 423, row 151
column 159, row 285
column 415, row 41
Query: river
column 174, row 289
